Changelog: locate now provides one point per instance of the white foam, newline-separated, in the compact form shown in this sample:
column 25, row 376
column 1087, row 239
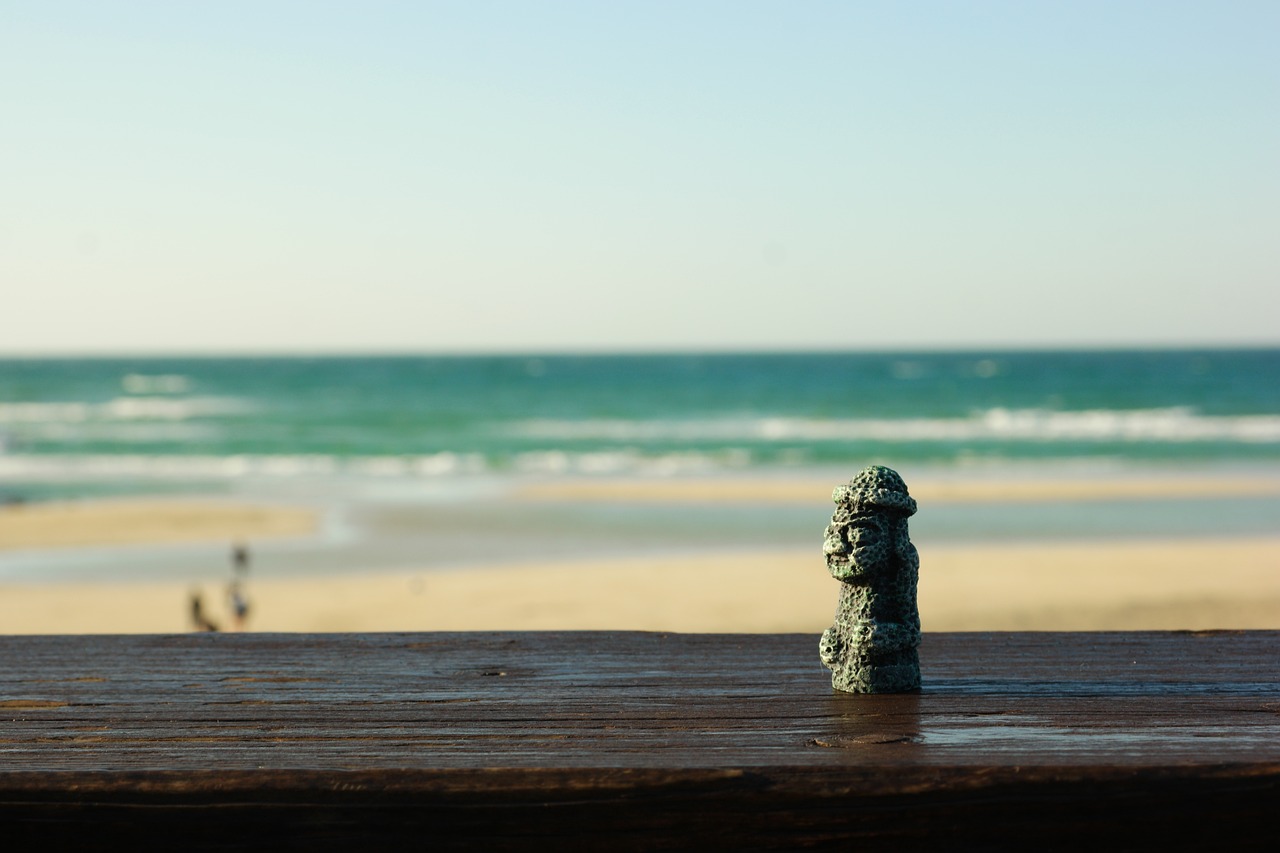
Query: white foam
column 731, row 440
column 203, row 468
column 443, row 464
column 141, row 432
column 122, row 409
column 164, row 408
column 67, row 467
column 22, row 413
column 1178, row 424
column 163, row 383
column 629, row 461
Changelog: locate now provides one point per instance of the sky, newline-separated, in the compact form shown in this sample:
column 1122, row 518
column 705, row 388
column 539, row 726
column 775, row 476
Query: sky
column 549, row 176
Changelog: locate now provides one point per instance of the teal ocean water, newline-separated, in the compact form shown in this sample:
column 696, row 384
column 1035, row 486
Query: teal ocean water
column 73, row 427
column 416, row 461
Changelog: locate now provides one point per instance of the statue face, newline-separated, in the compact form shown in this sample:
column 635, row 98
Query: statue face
column 870, row 540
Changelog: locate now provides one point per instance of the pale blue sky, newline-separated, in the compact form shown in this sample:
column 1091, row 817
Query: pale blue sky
column 477, row 176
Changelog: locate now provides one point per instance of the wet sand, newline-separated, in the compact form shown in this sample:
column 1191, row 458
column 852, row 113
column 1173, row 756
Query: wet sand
column 1188, row 584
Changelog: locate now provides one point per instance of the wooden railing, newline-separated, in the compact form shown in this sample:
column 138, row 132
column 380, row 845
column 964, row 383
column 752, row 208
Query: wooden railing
column 635, row 741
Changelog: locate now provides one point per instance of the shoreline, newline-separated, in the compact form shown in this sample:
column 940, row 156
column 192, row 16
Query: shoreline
column 265, row 513
column 734, row 554
column 1127, row 585
column 926, row 491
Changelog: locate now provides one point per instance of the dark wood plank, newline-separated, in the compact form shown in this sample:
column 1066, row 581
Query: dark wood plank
column 640, row 740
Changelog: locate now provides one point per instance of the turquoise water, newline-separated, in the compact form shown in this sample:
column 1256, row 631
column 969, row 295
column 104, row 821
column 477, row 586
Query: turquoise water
column 412, row 461
column 92, row 426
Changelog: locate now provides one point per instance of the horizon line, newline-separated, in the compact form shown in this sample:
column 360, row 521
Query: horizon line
column 586, row 352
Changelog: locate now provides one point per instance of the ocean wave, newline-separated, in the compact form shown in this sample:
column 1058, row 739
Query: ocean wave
column 123, row 409
column 629, row 461
column 155, row 383
column 67, row 467
column 1178, row 424
column 64, row 467
column 129, row 432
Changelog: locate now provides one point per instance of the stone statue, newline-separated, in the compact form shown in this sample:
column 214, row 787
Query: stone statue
column 871, row 648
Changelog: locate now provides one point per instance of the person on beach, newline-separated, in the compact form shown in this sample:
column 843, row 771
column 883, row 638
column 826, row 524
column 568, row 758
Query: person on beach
column 236, row 597
column 198, row 619
column 239, row 605
column 240, row 559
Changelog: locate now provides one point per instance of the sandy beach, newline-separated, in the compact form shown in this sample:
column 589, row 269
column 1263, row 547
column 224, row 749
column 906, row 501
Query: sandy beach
column 1196, row 585
column 125, row 522
column 1194, row 582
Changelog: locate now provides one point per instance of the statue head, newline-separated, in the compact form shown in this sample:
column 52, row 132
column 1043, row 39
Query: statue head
column 868, row 529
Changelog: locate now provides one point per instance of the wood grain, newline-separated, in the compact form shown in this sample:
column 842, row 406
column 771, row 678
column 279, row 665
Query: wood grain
column 635, row 740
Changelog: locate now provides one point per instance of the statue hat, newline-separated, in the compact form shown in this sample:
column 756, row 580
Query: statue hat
column 876, row 486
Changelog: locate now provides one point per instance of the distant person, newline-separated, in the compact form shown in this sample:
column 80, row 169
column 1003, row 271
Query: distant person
column 240, row 559
column 198, row 619
column 239, row 605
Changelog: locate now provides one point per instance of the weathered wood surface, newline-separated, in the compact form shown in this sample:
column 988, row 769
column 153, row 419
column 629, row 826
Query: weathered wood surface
column 633, row 740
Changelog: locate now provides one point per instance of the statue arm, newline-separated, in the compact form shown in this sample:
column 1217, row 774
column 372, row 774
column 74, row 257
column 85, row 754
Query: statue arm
column 889, row 636
column 830, row 648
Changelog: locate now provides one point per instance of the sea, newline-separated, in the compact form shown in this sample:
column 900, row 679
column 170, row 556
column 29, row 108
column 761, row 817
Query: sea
column 443, row 433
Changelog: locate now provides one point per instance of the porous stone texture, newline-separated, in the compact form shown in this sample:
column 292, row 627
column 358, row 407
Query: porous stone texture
column 872, row 646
